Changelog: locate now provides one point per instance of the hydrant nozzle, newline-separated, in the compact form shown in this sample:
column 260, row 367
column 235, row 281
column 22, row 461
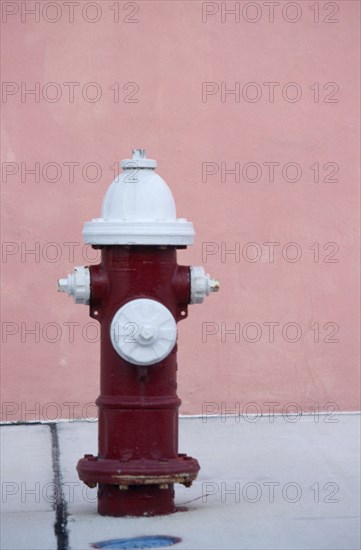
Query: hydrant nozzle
column 138, row 293
column 215, row 285
column 138, row 153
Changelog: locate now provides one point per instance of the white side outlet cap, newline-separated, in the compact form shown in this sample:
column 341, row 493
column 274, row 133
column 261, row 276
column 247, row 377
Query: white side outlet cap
column 77, row 284
column 201, row 285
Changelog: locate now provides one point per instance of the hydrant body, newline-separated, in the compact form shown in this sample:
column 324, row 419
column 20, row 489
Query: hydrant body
column 138, row 293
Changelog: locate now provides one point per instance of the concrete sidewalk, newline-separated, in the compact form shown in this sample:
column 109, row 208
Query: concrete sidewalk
column 267, row 484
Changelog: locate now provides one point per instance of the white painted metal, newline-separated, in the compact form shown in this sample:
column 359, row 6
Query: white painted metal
column 77, row 284
column 201, row 284
column 143, row 332
column 138, row 209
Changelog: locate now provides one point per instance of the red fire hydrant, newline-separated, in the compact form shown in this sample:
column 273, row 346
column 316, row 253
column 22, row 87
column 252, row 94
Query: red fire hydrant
column 138, row 293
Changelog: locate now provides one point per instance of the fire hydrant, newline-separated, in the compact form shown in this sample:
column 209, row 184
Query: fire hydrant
column 138, row 293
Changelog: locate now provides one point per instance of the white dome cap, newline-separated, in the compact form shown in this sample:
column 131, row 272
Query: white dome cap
column 139, row 208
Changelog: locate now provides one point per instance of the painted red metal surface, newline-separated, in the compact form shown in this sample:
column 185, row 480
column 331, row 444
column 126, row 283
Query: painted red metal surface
column 138, row 460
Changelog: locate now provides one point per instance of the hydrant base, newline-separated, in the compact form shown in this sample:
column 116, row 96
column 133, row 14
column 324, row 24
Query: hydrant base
column 136, row 500
column 142, row 487
column 181, row 469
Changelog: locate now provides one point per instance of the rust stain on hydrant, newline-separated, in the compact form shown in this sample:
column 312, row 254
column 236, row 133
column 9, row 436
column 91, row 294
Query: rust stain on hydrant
column 138, row 293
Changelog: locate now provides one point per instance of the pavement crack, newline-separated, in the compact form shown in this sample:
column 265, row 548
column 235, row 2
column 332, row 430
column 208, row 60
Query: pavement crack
column 60, row 506
column 196, row 498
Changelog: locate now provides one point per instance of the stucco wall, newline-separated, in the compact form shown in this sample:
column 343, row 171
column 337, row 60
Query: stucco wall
column 160, row 80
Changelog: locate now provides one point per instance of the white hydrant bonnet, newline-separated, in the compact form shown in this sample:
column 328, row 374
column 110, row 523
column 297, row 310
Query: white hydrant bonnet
column 139, row 208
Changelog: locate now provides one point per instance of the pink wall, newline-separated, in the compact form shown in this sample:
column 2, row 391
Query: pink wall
column 168, row 53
